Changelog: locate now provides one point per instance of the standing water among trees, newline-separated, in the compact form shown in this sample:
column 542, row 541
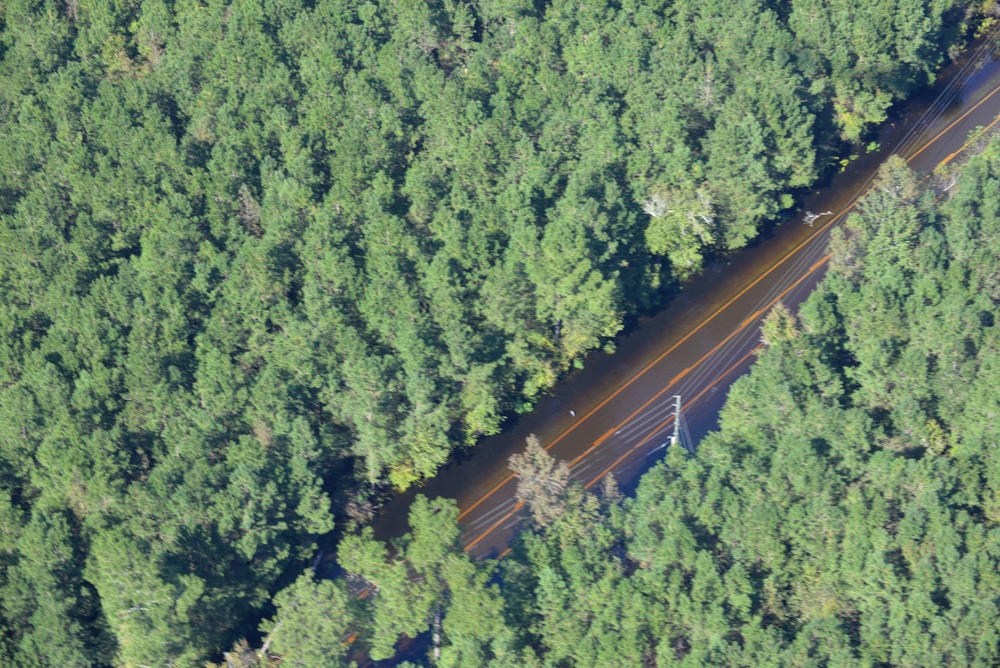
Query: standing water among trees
column 256, row 257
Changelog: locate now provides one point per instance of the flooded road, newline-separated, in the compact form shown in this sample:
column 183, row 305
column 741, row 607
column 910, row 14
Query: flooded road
column 615, row 415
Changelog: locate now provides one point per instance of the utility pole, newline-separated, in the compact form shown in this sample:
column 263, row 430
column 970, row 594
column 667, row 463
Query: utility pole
column 677, row 420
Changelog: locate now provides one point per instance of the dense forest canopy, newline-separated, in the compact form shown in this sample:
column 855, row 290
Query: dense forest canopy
column 845, row 514
column 254, row 254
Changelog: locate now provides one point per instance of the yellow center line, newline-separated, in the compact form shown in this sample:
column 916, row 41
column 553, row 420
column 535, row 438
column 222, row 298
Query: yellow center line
column 520, row 504
column 956, row 122
column 704, row 322
column 724, row 374
column 656, row 361
column 663, row 424
column 967, row 144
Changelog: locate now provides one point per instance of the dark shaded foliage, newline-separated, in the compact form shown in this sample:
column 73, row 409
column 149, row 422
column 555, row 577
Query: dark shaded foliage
column 245, row 247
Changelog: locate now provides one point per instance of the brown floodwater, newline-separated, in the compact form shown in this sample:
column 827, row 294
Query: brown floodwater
column 616, row 414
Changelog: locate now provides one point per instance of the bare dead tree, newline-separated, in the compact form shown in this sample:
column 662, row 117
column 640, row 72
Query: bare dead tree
column 809, row 218
column 657, row 205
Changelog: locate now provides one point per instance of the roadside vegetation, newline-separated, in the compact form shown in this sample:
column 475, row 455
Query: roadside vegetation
column 259, row 259
column 847, row 512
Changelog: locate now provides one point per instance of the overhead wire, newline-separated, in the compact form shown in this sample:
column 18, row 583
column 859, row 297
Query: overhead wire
column 926, row 120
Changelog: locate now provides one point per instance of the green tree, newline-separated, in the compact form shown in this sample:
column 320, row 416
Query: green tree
column 314, row 623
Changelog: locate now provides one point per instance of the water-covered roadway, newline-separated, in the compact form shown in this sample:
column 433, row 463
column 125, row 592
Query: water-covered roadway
column 616, row 414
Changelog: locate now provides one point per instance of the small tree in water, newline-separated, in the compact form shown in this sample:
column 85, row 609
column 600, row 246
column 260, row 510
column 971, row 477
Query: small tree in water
column 542, row 482
column 779, row 325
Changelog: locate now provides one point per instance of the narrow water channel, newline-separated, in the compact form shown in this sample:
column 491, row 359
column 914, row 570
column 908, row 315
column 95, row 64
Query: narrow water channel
column 616, row 414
